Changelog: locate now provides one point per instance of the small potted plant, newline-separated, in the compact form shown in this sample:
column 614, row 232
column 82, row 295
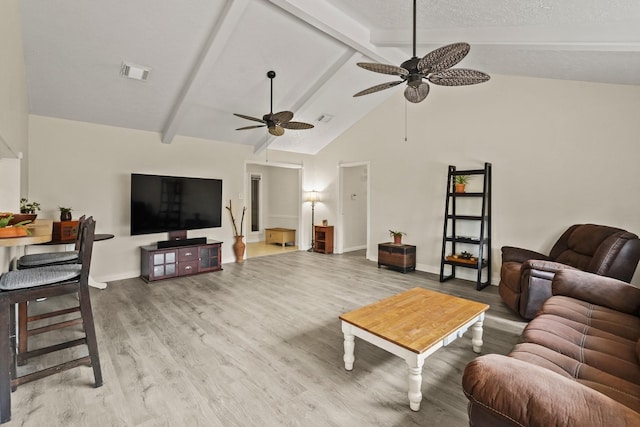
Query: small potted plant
column 27, row 207
column 65, row 213
column 460, row 182
column 397, row 236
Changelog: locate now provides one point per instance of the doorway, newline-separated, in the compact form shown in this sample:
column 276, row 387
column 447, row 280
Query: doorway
column 353, row 208
column 273, row 201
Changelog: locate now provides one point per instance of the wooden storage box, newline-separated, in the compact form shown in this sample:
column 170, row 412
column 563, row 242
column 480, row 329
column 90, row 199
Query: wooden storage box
column 398, row 256
column 281, row 236
column 65, row 230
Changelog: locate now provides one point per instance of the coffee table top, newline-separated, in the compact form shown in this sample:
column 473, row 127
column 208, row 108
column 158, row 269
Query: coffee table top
column 415, row 319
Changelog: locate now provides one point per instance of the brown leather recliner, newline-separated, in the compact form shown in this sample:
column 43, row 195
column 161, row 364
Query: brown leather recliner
column 525, row 276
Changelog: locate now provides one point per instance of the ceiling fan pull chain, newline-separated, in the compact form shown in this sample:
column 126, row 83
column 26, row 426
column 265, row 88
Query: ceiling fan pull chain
column 405, row 120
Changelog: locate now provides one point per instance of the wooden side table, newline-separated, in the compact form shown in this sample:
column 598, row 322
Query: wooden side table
column 323, row 239
column 397, row 256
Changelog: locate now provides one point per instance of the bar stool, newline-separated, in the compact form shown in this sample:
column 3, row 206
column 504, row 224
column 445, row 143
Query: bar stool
column 20, row 286
column 43, row 260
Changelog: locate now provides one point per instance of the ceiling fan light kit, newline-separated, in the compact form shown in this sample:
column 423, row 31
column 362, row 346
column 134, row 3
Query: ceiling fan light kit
column 275, row 123
column 435, row 67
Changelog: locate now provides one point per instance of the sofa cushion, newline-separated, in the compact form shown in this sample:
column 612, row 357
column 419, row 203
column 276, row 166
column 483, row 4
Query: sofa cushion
column 593, row 345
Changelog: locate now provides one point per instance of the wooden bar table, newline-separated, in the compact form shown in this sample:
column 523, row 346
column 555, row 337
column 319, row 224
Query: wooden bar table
column 41, row 231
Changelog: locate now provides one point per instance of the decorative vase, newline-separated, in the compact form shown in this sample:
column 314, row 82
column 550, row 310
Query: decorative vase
column 397, row 239
column 65, row 216
column 460, row 188
column 238, row 249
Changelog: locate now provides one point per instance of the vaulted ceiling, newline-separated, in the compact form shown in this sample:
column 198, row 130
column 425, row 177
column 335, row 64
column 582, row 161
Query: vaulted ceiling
column 208, row 59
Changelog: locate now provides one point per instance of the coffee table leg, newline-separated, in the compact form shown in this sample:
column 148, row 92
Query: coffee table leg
column 476, row 330
column 415, row 384
column 349, row 345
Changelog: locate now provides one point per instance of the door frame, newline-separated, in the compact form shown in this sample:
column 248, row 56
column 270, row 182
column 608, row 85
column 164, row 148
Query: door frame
column 340, row 217
column 247, row 189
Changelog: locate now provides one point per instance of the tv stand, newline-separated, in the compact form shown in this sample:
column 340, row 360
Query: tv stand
column 157, row 263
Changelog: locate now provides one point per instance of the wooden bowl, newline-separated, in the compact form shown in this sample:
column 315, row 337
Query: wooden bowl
column 18, row 217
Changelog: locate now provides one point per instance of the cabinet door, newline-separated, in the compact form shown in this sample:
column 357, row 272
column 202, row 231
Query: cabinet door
column 209, row 258
column 163, row 265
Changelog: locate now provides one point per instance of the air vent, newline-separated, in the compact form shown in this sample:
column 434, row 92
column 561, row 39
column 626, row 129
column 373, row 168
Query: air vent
column 325, row 118
column 136, row 72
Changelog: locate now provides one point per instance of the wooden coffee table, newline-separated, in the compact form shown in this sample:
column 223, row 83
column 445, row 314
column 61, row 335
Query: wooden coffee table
column 413, row 325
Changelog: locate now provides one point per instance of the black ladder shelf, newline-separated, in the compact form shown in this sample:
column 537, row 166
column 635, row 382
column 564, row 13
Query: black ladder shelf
column 452, row 241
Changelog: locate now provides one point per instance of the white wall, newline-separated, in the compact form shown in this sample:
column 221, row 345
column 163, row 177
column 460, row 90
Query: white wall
column 14, row 113
column 284, row 198
column 562, row 152
column 88, row 167
column 14, row 107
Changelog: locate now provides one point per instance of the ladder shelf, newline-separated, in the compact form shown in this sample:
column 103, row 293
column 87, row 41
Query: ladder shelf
column 481, row 223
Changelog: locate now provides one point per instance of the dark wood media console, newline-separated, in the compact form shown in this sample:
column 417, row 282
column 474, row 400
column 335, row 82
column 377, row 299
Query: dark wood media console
column 165, row 263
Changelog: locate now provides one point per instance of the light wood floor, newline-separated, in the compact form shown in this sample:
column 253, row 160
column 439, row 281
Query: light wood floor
column 257, row 344
column 257, row 249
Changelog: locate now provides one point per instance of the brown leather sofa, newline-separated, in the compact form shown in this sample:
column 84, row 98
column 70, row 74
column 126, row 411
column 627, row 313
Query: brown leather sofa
column 525, row 276
column 578, row 363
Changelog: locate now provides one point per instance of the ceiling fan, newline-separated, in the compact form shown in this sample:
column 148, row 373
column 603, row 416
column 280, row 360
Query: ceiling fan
column 276, row 123
column 435, row 66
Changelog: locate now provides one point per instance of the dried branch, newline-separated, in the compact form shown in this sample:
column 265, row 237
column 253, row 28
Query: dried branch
column 233, row 219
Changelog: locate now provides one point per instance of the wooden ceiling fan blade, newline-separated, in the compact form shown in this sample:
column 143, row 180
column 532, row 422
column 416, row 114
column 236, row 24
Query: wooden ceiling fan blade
column 296, row 125
column 378, row 88
column 444, row 57
column 276, row 130
column 255, row 119
column 251, row 127
column 282, row 116
column 383, row 68
column 458, row 77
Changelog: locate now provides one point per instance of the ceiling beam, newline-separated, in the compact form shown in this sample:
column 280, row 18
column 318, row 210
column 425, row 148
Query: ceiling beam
column 622, row 37
column 335, row 23
column 220, row 34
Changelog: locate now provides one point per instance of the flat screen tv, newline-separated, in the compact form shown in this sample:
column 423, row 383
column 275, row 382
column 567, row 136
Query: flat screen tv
column 171, row 203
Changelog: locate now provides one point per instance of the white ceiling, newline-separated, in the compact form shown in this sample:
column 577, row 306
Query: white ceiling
column 209, row 58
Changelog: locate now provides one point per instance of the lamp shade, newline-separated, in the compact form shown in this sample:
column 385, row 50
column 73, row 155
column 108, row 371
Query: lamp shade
column 312, row 196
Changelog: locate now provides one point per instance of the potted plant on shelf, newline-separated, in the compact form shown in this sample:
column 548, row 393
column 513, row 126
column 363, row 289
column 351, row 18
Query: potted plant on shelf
column 65, row 213
column 238, row 246
column 460, row 182
column 397, row 236
column 28, row 208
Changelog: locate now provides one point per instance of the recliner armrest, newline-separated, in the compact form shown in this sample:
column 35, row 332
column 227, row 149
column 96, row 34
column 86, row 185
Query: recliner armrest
column 600, row 290
column 545, row 267
column 504, row 391
column 536, row 277
column 513, row 254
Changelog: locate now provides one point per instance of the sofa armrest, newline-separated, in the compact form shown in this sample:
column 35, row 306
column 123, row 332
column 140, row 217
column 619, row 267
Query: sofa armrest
column 504, row 391
column 599, row 290
column 513, row 254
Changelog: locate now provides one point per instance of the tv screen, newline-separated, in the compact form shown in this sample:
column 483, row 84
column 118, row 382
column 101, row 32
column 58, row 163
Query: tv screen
column 170, row 203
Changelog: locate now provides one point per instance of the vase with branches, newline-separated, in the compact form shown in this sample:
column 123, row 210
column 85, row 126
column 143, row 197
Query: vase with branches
column 238, row 246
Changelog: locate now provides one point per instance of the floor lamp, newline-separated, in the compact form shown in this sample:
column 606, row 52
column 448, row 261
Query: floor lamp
column 312, row 196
